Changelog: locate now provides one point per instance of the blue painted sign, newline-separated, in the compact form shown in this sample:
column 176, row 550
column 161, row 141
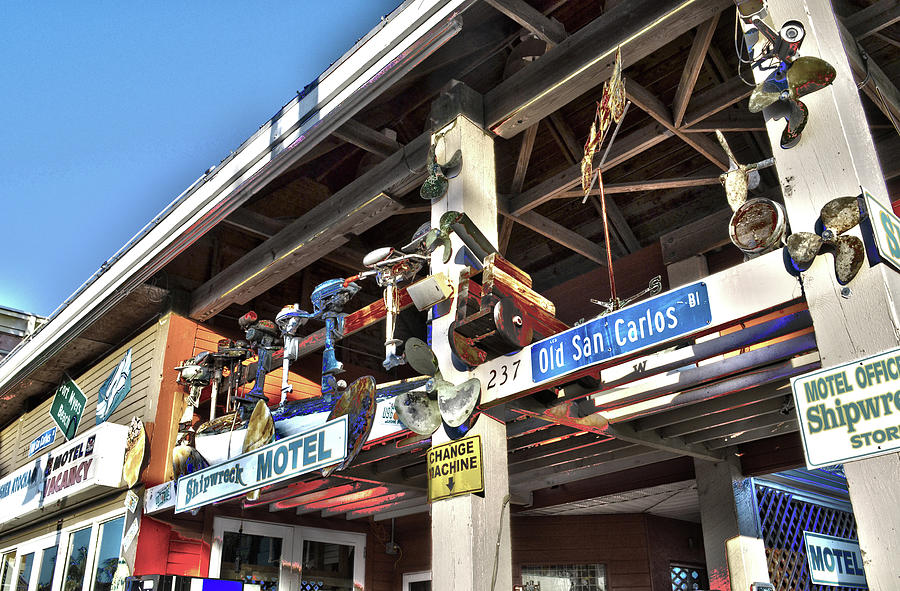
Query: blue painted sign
column 114, row 389
column 42, row 441
column 665, row 317
column 885, row 228
column 834, row 561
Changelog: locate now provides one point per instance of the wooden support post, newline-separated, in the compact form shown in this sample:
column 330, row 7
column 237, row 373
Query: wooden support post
column 833, row 158
column 466, row 530
column 728, row 513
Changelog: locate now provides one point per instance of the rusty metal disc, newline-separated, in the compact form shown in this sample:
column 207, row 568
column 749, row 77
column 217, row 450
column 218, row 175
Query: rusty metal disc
column 512, row 324
column 358, row 403
column 757, row 226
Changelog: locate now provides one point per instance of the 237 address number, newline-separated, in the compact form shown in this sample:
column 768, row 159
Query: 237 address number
column 503, row 374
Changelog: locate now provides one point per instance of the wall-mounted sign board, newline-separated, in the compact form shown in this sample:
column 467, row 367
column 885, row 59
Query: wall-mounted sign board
column 850, row 411
column 455, row 468
column 41, row 441
column 279, row 461
column 885, row 227
column 68, row 406
column 719, row 300
column 834, row 561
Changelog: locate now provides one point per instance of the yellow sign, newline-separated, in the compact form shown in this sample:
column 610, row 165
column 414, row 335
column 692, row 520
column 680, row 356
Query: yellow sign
column 455, row 469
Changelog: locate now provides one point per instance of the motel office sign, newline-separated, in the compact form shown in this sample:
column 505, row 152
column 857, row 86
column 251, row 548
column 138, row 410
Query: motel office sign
column 850, row 411
column 276, row 462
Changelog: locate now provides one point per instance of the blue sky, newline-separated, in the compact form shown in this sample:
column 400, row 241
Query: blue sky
column 109, row 110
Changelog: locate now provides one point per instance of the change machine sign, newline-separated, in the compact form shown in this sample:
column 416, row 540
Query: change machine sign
column 850, row 411
column 276, row 462
column 636, row 327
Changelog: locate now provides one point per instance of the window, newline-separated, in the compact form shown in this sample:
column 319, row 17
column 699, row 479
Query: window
column 688, row 578
column 108, row 543
column 566, row 577
column 7, row 564
column 82, row 557
column 25, row 564
column 79, row 542
column 417, row 581
column 48, row 565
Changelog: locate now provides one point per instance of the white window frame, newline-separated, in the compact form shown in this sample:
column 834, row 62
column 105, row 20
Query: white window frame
column 416, row 577
column 292, row 537
column 61, row 539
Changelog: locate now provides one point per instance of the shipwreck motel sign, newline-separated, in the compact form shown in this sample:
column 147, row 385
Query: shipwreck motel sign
column 270, row 464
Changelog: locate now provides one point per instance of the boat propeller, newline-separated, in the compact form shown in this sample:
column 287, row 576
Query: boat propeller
column 792, row 78
column 837, row 216
column 357, row 402
column 441, row 402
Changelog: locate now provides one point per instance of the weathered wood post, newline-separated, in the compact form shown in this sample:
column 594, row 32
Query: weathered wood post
column 833, row 158
column 470, row 544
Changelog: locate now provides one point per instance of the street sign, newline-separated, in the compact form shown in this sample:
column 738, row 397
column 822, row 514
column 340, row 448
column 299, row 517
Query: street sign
column 455, row 468
column 636, row 327
column 42, row 441
column 834, row 561
column 68, row 405
column 114, row 389
column 276, row 462
column 885, row 230
column 850, row 411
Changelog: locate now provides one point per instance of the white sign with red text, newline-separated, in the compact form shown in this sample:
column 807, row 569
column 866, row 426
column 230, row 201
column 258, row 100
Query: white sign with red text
column 94, row 459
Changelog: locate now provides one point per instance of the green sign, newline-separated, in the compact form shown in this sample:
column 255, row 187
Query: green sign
column 68, row 404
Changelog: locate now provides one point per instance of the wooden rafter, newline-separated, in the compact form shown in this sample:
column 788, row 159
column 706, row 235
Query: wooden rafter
column 518, row 181
column 550, row 30
column 877, row 85
column 730, row 120
column 367, row 138
column 624, row 148
column 873, row 18
column 714, row 100
column 558, row 233
column 650, row 439
column 651, row 185
column 650, row 104
column 692, row 66
column 585, row 58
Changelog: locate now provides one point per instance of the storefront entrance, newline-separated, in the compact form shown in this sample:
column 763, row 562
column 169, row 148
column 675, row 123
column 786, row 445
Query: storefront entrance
column 286, row 558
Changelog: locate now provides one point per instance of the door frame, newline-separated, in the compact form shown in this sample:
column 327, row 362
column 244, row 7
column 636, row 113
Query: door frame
column 292, row 537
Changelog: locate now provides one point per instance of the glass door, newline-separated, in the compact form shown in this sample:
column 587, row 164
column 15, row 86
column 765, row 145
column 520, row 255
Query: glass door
column 331, row 560
column 253, row 552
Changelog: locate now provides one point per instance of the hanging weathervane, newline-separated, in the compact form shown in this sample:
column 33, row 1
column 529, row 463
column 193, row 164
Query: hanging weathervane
column 837, row 216
column 611, row 107
column 758, row 225
column 792, row 77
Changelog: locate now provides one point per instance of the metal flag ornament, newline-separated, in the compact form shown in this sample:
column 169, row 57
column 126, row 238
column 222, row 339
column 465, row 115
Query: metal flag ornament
column 114, row 389
column 837, row 216
column 792, row 77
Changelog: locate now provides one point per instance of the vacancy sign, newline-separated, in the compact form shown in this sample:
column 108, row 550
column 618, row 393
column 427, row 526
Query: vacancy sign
column 850, row 411
column 834, row 561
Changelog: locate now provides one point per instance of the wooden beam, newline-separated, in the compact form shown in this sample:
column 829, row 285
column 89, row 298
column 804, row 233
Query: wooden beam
column 253, row 223
column 697, row 237
column 352, row 210
column 729, row 120
column 728, row 416
column 873, row 18
column 518, row 182
column 623, row 149
column 692, row 66
column 585, row 59
column 550, row 30
column 367, row 138
column 651, row 185
column 623, row 238
column 623, row 432
column 646, row 101
column 719, row 97
column 876, row 79
column 558, row 233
